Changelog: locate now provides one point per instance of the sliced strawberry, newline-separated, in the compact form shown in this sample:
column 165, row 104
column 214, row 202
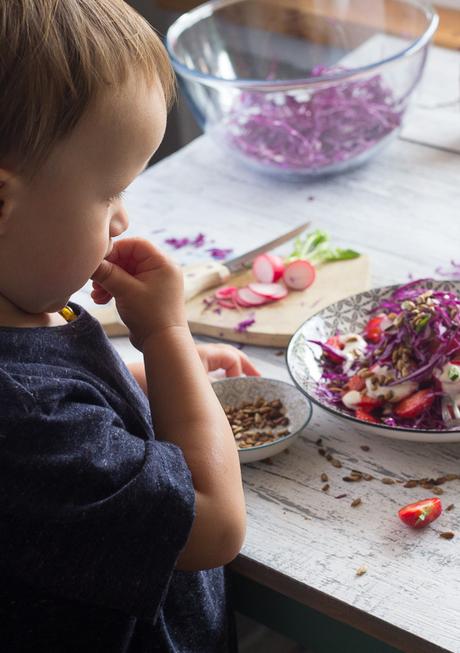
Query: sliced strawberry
column 369, row 403
column 366, row 416
column 373, row 330
column 414, row 405
column 422, row 513
column 356, row 383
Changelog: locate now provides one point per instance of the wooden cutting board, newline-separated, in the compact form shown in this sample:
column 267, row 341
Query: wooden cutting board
column 275, row 323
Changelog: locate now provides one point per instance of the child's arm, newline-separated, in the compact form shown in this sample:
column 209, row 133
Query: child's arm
column 214, row 356
column 186, row 411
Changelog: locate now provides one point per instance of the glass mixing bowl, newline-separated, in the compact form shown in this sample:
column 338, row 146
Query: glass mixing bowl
column 301, row 88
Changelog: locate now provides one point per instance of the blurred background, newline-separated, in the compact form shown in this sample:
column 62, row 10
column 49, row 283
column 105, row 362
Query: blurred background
column 182, row 127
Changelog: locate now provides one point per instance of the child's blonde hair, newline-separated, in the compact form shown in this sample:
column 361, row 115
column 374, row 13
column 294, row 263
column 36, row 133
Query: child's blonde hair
column 55, row 57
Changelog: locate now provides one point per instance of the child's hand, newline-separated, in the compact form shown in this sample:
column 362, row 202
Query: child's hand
column 147, row 286
column 231, row 359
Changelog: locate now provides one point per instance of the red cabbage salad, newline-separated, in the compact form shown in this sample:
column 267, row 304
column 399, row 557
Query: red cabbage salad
column 313, row 129
column 403, row 369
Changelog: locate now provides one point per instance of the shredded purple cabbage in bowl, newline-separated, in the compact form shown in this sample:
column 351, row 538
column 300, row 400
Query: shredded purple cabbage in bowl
column 313, row 132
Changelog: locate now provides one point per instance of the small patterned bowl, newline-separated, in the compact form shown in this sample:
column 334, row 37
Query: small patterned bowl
column 236, row 390
column 305, row 362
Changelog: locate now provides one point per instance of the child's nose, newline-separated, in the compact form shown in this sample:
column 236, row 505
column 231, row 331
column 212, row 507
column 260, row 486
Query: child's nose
column 119, row 221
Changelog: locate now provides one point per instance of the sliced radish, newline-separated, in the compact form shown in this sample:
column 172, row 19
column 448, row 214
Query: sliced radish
column 225, row 293
column 299, row 274
column 226, row 303
column 269, row 290
column 268, row 268
column 250, row 298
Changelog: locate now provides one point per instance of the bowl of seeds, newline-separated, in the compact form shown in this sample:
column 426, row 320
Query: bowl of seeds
column 266, row 415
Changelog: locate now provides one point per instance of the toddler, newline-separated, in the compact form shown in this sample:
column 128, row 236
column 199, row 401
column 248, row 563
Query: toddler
column 112, row 539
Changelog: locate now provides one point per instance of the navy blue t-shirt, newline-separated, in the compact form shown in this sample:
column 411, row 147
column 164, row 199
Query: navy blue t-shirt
column 93, row 510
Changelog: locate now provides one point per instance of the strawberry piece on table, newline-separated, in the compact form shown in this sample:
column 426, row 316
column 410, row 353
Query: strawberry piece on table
column 414, row 405
column 366, row 416
column 373, row 330
column 422, row 513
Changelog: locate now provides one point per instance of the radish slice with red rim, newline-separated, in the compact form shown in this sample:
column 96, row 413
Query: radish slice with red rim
column 299, row 274
column 225, row 293
column 272, row 291
column 250, row 298
column 226, row 303
column 268, row 268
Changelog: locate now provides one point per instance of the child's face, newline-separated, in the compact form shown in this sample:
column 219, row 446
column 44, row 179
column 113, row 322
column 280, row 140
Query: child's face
column 56, row 229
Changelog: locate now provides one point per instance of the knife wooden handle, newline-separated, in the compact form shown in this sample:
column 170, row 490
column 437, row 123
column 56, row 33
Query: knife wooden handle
column 203, row 276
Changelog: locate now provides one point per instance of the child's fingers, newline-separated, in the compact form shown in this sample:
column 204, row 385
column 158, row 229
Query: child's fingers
column 128, row 259
column 247, row 366
column 111, row 278
column 136, row 255
column 230, row 359
column 99, row 295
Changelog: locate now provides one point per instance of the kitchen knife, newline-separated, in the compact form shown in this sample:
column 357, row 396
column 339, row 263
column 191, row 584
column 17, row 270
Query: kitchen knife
column 205, row 275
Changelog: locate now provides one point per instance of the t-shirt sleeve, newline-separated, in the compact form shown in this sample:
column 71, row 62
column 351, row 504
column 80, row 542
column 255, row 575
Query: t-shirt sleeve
column 90, row 511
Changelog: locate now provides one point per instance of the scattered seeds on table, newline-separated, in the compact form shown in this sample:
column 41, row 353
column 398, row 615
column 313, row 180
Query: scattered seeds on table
column 368, row 477
column 437, row 490
column 356, row 502
column 388, row 481
column 448, row 535
column 361, row 570
column 336, row 463
column 411, row 483
column 364, row 447
column 321, row 452
column 325, row 488
column 324, row 477
column 450, row 507
column 319, row 441
column 341, row 496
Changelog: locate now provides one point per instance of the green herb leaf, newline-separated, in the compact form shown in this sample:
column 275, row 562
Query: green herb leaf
column 421, row 324
column 341, row 255
column 314, row 247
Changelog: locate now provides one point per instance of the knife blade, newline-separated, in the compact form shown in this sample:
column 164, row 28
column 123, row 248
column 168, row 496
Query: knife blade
column 204, row 276
column 239, row 262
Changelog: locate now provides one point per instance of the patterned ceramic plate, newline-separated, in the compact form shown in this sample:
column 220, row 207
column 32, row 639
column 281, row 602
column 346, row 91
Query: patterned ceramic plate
column 304, row 359
column 236, row 390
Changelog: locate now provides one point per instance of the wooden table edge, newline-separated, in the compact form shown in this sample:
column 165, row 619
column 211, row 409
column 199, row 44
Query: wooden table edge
column 332, row 607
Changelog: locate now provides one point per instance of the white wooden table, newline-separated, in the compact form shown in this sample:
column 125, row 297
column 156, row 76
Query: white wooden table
column 304, row 545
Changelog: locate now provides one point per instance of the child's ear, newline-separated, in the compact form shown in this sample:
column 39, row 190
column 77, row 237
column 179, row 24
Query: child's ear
column 8, row 187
